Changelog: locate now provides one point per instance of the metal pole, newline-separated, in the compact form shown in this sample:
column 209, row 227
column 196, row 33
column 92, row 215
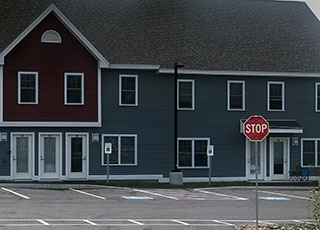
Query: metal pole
column 209, row 170
column 175, row 115
column 108, row 168
column 257, row 216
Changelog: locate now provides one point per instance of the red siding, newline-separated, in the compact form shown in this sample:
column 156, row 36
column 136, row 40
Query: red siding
column 51, row 61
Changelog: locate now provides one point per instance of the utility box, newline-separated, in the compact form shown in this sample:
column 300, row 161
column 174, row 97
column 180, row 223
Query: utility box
column 176, row 178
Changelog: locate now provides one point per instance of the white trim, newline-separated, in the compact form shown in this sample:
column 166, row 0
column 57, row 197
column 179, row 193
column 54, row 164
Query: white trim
column 99, row 96
column 36, row 88
column 243, row 83
column 316, row 96
column 192, row 139
column 120, row 89
column 206, row 179
column 52, row 8
column 50, row 124
column 127, row 177
column 193, row 93
column 268, row 95
column 134, row 66
column 5, row 178
column 67, row 158
column 317, row 161
column 43, row 39
column 1, row 93
column 263, row 151
column 119, row 149
column 66, row 86
column 271, row 156
column 60, row 156
column 33, row 176
column 285, row 130
column 240, row 73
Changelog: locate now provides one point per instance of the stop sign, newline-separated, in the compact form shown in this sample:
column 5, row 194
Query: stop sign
column 256, row 128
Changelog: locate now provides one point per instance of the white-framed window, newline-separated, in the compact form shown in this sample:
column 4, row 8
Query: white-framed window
column 192, row 152
column 27, row 88
column 124, row 149
column 317, row 97
column 128, row 90
column 185, row 94
column 310, row 152
column 51, row 36
column 276, row 96
column 73, row 88
column 236, row 95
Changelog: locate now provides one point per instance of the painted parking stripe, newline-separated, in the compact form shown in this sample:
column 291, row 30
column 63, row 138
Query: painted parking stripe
column 15, row 193
column 90, row 222
column 286, row 195
column 43, row 222
column 136, row 222
column 298, row 221
column 88, row 194
column 220, row 194
column 180, row 222
column 156, row 194
column 223, row 222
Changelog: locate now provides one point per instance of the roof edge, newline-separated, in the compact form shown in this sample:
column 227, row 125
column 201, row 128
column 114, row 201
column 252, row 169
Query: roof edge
column 240, row 73
column 103, row 63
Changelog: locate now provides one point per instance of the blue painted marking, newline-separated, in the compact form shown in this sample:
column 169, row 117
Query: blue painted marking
column 274, row 198
column 137, row 197
column 210, row 151
column 108, row 149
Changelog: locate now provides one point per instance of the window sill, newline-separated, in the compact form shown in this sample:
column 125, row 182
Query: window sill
column 186, row 109
column 204, row 167
column 120, row 165
column 74, row 104
column 128, row 105
column 236, row 110
column 28, row 103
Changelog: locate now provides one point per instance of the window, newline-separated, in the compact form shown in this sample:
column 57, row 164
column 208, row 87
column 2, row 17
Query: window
column 275, row 96
column 128, row 92
column 124, row 149
column 192, row 152
column 28, row 88
column 185, row 94
column 317, row 97
column 236, row 95
column 73, row 89
column 310, row 151
column 51, row 36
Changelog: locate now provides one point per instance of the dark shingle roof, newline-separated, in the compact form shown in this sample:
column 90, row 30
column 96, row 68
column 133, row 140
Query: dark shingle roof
column 202, row 34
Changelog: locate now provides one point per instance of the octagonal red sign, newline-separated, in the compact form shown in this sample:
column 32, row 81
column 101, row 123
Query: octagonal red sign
column 256, row 128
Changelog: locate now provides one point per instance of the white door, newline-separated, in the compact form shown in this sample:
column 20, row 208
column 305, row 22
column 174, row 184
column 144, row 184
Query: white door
column 77, row 156
column 251, row 160
column 279, row 158
column 49, row 155
column 22, row 149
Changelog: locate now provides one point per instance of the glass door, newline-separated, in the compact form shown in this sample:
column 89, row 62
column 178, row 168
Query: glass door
column 22, row 156
column 77, row 156
column 251, row 160
column 279, row 159
column 49, row 156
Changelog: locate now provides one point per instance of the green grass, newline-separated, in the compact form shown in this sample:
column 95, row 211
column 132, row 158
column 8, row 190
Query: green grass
column 149, row 184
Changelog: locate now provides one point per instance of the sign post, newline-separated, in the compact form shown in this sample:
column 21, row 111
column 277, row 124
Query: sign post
column 210, row 153
column 256, row 129
column 108, row 151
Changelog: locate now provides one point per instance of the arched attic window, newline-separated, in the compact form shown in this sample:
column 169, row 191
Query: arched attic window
column 51, row 36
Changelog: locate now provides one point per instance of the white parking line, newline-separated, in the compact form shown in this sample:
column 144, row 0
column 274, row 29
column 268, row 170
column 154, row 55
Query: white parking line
column 298, row 221
column 136, row 222
column 88, row 194
column 43, row 222
column 266, row 222
column 155, row 194
column 223, row 222
column 90, row 222
column 180, row 222
column 281, row 194
column 15, row 193
column 220, row 194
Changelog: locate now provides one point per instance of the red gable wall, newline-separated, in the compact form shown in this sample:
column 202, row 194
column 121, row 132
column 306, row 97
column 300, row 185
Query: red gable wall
column 51, row 61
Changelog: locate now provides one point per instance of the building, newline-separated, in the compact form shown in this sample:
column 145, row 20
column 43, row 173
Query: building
column 77, row 74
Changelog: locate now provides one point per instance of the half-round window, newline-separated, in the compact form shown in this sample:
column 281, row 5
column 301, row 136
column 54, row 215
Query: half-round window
column 51, row 36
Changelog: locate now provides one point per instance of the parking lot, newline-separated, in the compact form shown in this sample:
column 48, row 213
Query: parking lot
column 84, row 207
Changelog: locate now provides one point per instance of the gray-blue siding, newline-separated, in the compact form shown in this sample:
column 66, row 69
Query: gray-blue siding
column 152, row 121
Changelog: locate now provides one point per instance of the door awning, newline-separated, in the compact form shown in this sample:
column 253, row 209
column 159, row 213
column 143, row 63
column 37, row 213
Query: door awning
column 280, row 126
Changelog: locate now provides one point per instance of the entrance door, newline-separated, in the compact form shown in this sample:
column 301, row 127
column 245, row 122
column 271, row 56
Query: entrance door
column 50, row 156
column 251, row 160
column 279, row 158
column 77, row 156
column 22, row 150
